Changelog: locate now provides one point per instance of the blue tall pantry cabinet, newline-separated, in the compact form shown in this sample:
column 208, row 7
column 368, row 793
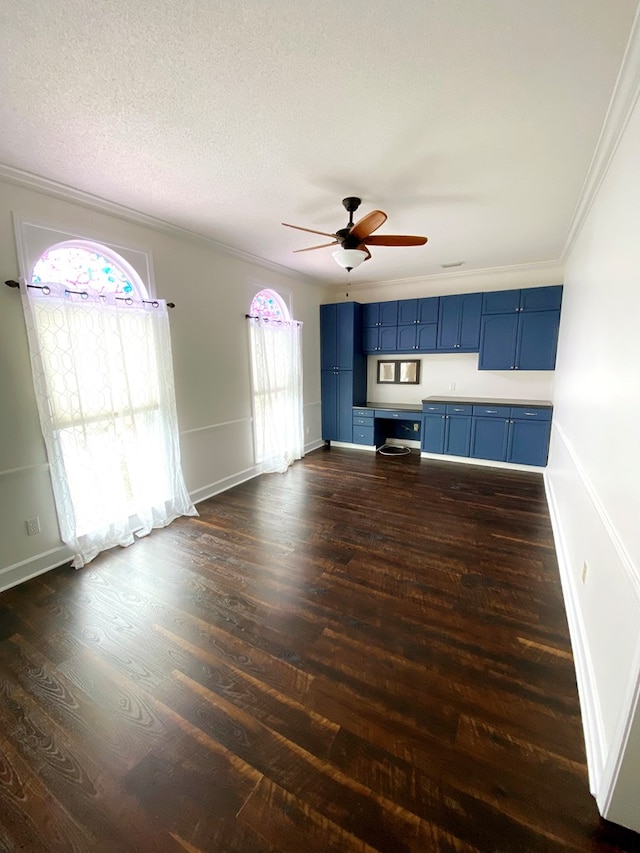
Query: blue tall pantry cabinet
column 343, row 368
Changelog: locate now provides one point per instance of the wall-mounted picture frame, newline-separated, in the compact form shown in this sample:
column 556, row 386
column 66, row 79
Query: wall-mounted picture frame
column 399, row 372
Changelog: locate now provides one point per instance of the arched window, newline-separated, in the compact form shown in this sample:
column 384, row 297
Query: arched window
column 269, row 305
column 82, row 265
column 103, row 377
column 276, row 369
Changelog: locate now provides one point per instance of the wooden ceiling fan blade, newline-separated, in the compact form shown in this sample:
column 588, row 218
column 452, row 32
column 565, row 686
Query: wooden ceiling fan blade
column 364, row 249
column 368, row 224
column 395, row 240
column 309, row 230
column 321, row 246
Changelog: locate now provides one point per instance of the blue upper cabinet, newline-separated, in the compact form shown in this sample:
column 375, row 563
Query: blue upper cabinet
column 459, row 323
column 380, row 314
column 418, row 311
column 417, row 325
column 380, row 339
column 340, row 332
column 519, row 329
column 529, row 299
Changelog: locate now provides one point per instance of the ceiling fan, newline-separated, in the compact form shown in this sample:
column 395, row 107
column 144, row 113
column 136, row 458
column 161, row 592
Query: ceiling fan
column 355, row 237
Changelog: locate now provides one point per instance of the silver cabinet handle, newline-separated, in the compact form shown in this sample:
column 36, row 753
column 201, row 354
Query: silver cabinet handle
column 491, row 411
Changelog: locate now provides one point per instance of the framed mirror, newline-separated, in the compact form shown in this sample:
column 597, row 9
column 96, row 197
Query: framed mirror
column 399, row 372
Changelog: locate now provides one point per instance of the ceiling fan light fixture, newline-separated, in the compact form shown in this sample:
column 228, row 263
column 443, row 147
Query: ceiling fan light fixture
column 349, row 259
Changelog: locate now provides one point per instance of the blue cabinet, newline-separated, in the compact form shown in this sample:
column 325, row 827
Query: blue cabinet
column 489, row 432
column 459, row 323
column 380, row 339
column 344, row 368
column 529, row 434
column 446, row 428
column 380, row 314
column 364, row 427
column 516, row 434
column 420, row 338
column 519, row 329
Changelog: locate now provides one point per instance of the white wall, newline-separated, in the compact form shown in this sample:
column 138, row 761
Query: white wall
column 593, row 478
column 212, row 291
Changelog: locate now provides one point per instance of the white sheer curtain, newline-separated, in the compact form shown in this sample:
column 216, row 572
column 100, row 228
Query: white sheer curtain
column 276, row 358
column 103, row 378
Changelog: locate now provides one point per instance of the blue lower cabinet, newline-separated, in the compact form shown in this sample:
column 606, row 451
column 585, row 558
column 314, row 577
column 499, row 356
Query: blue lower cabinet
column 489, row 438
column 337, row 404
column 446, row 431
column 457, row 434
column 432, row 432
column 529, row 434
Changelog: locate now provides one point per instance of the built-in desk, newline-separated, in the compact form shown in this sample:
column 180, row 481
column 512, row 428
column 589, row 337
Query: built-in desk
column 374, row 423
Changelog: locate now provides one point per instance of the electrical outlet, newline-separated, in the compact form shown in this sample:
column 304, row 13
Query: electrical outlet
column 452, row 386
column 33, row 526
column 585, row 571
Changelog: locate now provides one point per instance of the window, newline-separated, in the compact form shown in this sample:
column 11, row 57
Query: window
column 102, row 372
column 276, row 362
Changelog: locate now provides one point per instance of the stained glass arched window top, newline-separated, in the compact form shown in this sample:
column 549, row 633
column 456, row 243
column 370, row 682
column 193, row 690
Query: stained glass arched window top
column 87, row 266
column 268, row 305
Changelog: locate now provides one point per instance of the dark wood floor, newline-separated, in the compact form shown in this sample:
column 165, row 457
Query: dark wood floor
column 364, row 654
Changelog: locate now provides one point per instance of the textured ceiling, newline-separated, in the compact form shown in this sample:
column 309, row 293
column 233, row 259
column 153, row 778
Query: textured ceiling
column 471, row 122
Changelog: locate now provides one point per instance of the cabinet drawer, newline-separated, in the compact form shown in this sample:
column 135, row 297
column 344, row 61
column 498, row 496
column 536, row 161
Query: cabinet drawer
column 363, row 413
column 363, row 435
column 492, row 411
column 434, row 408
column 394, row 414
column 368, row 422
column 459, row 409
column 524, row 413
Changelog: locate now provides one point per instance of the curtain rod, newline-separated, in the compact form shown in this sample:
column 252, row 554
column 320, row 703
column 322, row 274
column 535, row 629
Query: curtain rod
column 268, row 320
column 127, row 299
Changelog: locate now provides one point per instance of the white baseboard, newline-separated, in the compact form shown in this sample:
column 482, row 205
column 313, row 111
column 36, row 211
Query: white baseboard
column 592, row 722
column 34, row 566
column 209, row 491
column 487, row 463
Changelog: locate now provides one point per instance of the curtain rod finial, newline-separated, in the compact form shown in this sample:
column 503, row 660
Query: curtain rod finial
column 12, row 283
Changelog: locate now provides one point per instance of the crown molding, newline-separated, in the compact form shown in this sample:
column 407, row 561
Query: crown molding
column 64, row 192
column 623, row 100
column 553, row 267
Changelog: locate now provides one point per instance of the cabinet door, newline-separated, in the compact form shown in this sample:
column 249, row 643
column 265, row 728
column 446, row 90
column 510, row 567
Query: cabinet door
column 537, row 340
column 528, row 442
column 459, row 322
column 501, row 302
column 388, row 339
column 407, row 338
column 498, row 337
column 432, row 431
column 328, row 336
column 388, row 313
column 489, row 438
column 541, row 298
column 329, row 392
column 345, row 405
column 338, row 330
column 458, row 436
column 407, row 311
column 426, row 337
column 448, row 322
column 470, row 312
column 370, row 339
column 428, row 310
column 370, row 314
